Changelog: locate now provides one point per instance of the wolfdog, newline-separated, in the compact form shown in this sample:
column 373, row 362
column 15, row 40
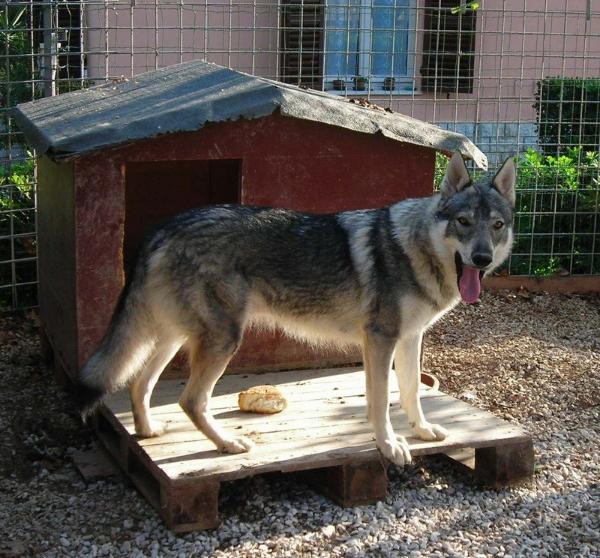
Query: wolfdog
column 377, row 277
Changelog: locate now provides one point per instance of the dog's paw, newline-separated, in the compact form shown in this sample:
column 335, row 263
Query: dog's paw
column 396, row 451
column 236, row 445
column 430, row 432
column 153, row 429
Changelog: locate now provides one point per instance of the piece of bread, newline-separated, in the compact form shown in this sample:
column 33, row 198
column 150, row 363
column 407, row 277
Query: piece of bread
column 262, row 399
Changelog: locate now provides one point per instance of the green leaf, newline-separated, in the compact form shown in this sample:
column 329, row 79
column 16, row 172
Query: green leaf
column 464, row 8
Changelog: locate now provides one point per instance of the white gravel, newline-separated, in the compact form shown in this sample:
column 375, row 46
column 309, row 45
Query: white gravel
column 534, row 360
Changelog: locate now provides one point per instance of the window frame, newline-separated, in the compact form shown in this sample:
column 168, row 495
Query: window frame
column 404, row 84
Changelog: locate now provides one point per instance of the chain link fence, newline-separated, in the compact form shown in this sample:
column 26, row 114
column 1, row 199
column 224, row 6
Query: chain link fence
column 519, row 77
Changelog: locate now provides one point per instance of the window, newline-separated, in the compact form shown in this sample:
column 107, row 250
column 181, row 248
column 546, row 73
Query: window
column 367, row 45
column 448, row 64
column 302, row 42
column 355, row 45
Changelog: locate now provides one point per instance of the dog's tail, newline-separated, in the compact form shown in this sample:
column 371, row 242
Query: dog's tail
column 126, row 347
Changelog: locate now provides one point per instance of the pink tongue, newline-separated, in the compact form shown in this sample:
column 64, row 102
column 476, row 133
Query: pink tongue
column 469, row 284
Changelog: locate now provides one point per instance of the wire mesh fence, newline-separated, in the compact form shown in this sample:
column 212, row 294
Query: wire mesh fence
column 519, row 77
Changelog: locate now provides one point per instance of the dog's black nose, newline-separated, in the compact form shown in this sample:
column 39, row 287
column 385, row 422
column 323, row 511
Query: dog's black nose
column 482, row 259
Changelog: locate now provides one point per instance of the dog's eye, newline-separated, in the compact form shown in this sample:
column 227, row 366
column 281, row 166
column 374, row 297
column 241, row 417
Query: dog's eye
column 463, row 221
column 498, row 224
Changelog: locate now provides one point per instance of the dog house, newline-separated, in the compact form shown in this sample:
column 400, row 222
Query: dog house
column 117, row 159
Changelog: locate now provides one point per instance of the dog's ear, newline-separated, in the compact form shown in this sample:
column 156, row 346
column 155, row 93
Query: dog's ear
column 506, row 179
column 456, row 178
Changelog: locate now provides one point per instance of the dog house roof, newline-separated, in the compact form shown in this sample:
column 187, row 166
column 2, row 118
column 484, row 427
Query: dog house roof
column 186, row 96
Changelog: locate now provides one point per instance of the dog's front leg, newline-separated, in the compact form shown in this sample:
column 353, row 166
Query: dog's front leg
column 378, row 353
column 408, row 371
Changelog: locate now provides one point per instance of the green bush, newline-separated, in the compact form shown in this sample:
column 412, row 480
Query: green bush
column 441, row 162
column 557, row 202
column 568, row 112
column 16, row 74
column 16, row 185
column 15, row 60
column 17, row 217
column 17, row 203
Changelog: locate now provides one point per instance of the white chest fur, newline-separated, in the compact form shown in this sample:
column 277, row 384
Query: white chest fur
column 417, row 315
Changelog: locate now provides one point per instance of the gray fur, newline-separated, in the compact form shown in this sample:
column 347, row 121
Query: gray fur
column 377, row 278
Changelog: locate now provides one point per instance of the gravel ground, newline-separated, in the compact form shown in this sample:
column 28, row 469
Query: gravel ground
column 534, row 360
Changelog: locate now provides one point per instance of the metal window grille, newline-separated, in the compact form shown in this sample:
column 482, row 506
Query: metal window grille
column 519, row 78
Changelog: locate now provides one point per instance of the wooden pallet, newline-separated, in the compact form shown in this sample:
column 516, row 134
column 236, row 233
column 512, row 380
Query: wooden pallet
column 323, row 431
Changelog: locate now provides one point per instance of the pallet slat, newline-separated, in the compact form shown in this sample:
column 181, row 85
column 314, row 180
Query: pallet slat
column 182, row 431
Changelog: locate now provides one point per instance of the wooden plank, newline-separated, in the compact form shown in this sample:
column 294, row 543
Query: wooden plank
column 191, row 506
column 330, row 382
column 348, row 409
column 463, row 457
column 348, row 419
column 354, row 484
column 167, row 393
column 504, row 465
column 294, row 455
column 120, row 444
column 323, row 430
column 275, row 440
column 145, row 477
column 94, row 464
column 567, row 285
column 290, row 454
column 438, row 403
column 315, row 429
column 233, row 383
column 228, row 402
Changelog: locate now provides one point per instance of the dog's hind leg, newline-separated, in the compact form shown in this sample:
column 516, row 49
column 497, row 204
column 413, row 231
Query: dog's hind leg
column 408, row 371
column 140, row 388
column 208, row 360
column 378, row 352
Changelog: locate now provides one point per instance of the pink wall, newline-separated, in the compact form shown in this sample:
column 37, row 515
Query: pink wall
column 518, row 42
column 228, row 31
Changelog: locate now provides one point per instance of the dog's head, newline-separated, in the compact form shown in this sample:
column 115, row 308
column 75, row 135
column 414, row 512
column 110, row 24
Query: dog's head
column 477, row 219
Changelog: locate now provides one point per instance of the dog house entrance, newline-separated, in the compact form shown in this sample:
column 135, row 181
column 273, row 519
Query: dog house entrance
column 158, row 190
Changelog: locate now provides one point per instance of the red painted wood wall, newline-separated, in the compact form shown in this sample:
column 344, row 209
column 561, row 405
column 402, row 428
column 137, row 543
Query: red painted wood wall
column 285, row 162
